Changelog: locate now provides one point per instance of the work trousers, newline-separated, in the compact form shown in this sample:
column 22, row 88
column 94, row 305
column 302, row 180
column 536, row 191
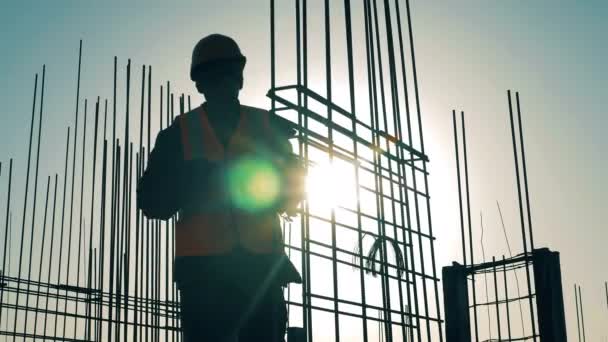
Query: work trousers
column 224, row 300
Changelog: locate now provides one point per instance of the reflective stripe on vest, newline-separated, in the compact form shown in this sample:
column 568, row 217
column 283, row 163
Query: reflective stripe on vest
column 209, row 233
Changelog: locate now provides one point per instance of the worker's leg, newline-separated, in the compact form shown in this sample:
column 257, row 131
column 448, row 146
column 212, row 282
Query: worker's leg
column 209, row 305
column 267, row 320
column 207, row 317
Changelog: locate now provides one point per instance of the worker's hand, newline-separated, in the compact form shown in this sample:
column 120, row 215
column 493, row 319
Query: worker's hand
column 293, row 187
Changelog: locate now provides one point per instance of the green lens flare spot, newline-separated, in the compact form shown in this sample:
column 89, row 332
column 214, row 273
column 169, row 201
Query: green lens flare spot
column 253, row 184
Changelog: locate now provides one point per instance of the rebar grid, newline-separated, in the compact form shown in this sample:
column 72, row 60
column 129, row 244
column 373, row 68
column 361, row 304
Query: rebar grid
column 368, row 259
column 90, row 267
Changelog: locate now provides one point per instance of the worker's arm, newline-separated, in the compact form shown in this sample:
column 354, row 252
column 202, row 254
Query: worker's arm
column 158, row 189
column 292, row 169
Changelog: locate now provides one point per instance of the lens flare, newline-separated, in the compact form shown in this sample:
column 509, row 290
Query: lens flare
column 254, row 184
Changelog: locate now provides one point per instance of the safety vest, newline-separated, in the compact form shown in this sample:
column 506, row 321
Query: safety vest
column 220, row 230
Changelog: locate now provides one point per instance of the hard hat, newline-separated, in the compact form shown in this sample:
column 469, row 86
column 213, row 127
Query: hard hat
column 213, row 48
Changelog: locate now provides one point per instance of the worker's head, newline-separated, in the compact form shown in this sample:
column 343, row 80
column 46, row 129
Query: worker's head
column 217, row 68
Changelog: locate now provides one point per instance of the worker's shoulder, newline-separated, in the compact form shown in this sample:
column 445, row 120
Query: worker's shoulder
column 280, row 125
column 189, row 114
column 175, row 126
column 172, row 132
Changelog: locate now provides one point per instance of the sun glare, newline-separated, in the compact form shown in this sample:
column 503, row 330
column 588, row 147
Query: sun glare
column 330, row 184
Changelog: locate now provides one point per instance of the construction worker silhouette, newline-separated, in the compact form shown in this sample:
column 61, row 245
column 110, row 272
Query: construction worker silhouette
column 228, row 171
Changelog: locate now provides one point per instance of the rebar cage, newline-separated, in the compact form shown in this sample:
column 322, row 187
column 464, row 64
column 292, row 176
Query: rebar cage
column 481, row 302
column 487, row 302
column 364, row 242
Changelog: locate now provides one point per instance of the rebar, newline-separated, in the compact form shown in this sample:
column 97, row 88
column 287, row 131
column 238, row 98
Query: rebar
column 102, row 270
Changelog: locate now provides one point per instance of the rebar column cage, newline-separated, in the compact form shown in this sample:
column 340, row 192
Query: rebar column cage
column 502, row 308
column 344, row 73
column 533, row 311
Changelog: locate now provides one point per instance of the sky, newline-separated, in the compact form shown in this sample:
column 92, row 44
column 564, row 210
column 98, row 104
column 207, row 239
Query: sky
column 468, row 54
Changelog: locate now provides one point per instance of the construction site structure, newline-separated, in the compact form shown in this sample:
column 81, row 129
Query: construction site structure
column 368, row 262
column 539, row 305
column 81, row 263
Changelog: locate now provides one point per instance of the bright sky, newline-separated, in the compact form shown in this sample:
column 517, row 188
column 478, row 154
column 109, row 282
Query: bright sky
column 468, row 54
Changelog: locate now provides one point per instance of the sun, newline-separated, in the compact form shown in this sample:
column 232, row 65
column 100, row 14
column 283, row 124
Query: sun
column 331, row 184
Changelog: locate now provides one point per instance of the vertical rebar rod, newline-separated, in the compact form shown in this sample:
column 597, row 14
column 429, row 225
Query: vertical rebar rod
column 112, row 199
column 141, row 118
column 525, row 172
column 145, row 220
column 128, row 247
column 606, row 289
column 115, row 249
column 145, row 224
column 149, row 145
column 497, row 300
column 144, row 275
column 386, row 293
column 306, row 217
column 379, row 185
column 167, row 260
column 168, row 103
column 32, row 231
column 62, row 235
column 300, row 78
column 174, row 293
column 424, row 167
column 468, row 205
column 160, row 223
column 7, row 232
column 272, row 54
column 485, row 276
column 105, row 117
column 138, row 218
column 521, row 217
column 93, row 195
column 416, row 204
column 158, row 278
column 27, row 183
column 580, row 301
column 84, row 149
column 380, row 193
column 578, row 319
column 88, row 314
column 120, row 211
column 10, row 239
column 410, row 142
column 102, row 237
column 70, row 221
column 401, row 179
column 116, row 157
column 49, row 267
column 121, row 197
column 370, row 64
column 138, row 213
column 504, row 272
column 351, row 89
column 126, row 197
column 328, row 85
column 459, row 183
column 39, row 278
column 94, row 289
